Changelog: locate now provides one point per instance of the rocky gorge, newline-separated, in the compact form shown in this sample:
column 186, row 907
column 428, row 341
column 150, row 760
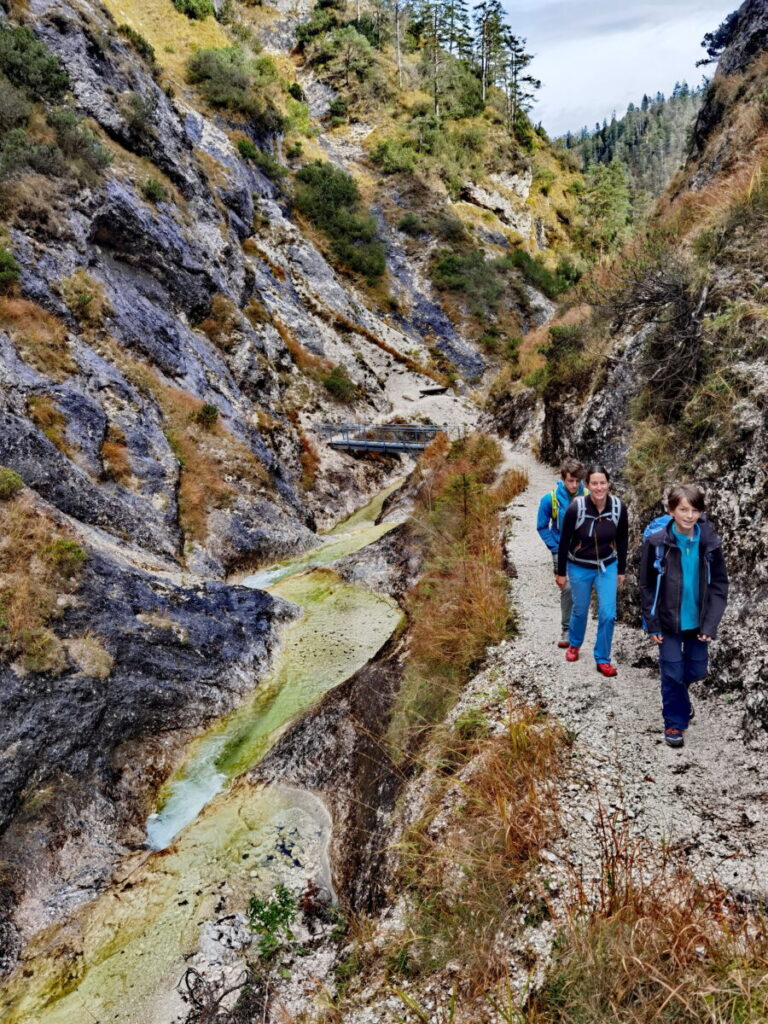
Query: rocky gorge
column 177, row 339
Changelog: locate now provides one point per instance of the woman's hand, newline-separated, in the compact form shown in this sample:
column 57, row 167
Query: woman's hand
column 658, row 638
column 561, row 581
column 704, row 638
column 622, row 577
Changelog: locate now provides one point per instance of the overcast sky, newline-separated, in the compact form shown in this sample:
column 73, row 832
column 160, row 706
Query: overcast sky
column 595, row 56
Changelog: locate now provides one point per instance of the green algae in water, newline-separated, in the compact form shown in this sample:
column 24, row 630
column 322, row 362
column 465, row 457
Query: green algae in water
column 120, row 958
column 354, row 533
column 342, row 627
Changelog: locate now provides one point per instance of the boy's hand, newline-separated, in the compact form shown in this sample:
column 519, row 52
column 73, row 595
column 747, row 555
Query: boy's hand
column 657, row 638
column 704, row 638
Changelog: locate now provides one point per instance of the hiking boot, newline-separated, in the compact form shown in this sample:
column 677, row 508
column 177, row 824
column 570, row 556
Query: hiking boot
column 572, row 654
column 692, row 713
column 674, row 737
column 562, row 643
column 605, row 668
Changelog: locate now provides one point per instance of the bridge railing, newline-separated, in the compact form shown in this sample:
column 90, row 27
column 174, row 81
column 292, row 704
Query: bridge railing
column 402, row 437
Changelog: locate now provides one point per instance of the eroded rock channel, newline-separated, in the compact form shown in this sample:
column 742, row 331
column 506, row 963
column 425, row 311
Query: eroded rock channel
column 221, row 832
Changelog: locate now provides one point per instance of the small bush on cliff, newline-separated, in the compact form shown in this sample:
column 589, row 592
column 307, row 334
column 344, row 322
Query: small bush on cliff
column 207, row 416
column 10, row 483
column 196, row 9
column 139, row 43
column 154, row 191
column 29, row 65
column 9, row 270
column 330, row 198
column 64, row 556
column 229, row 78
column 340, row 385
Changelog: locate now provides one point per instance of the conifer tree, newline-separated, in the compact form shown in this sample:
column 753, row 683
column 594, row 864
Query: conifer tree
column 519, row 86
column 489, row 42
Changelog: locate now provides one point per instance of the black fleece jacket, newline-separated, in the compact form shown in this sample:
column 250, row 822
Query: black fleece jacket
column 713, row 582
column 596, row 540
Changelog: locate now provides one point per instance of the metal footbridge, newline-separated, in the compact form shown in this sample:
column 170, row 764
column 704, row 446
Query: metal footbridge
column 389, row 437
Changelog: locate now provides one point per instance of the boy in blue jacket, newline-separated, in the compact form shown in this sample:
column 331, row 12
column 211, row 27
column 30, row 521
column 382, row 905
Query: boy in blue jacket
column 549, row 522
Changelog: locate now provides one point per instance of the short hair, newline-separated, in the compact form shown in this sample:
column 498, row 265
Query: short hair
column 572, row 467
column 691, row 492
column 596, row 467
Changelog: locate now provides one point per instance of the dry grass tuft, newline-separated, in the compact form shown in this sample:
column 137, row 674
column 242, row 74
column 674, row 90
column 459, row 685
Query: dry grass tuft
column 306, row 361
column 85, row 297
column 38, row 564
column 222, row 322
column 116, row 461
column 40, row 338
column 90, row 656
column 43, row 412
column 471, row 876
column 214, row 465
column 459, row 607
column 650, row 943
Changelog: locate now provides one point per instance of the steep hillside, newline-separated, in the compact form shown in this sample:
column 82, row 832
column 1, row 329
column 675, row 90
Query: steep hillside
column 662, row 370
column 215, row 242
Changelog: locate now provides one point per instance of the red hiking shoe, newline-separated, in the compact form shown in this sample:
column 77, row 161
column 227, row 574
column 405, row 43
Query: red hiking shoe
column 674, row 737
column 572, row 654
column 605, row 668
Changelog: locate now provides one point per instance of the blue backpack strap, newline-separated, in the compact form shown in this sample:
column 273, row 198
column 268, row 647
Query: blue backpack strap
column 660, row 567
column 581, row 510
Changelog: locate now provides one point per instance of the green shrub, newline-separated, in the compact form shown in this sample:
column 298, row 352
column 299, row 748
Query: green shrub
column 273, row 918
column 138, row 109
column 340, row 385
column 28, row 65
column 295, row 90
column 266, row 162
column 9, row 270
column 64, row 556
column 207, row 416
column 450, row 229
column 412, row 225
column 198, row 9
column 79, row 144
column 338, row 111
column 330, row 198
column 139, row 43
column 294, row 151
column 154, row 191
column 552, row 283
column 394, row 157
column 43, row 652
column 10, row 483
column 15, row 108
column 472, row 274
column 228, row 78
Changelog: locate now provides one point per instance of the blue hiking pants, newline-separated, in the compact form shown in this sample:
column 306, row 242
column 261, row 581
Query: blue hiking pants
column 605, row 582
column 683, row 660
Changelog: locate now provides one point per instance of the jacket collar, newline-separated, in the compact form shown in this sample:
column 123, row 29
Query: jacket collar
column 708, row 539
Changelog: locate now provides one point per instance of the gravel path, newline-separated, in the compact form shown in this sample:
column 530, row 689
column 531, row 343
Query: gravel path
column 710, row 798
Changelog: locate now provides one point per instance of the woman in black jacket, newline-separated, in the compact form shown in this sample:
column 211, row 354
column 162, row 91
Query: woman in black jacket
column 684, row 591
column 593, row 549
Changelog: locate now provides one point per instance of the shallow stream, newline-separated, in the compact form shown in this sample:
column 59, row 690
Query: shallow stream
column 215, row 835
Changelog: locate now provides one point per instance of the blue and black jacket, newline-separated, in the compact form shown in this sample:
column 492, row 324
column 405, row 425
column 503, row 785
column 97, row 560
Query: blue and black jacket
column 549, row 526
column 713, row 582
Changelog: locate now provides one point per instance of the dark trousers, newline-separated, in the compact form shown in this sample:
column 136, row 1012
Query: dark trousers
column 682, row 660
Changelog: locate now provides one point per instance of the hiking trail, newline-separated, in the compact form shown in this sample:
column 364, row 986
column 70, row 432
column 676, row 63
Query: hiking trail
column 708, row 798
